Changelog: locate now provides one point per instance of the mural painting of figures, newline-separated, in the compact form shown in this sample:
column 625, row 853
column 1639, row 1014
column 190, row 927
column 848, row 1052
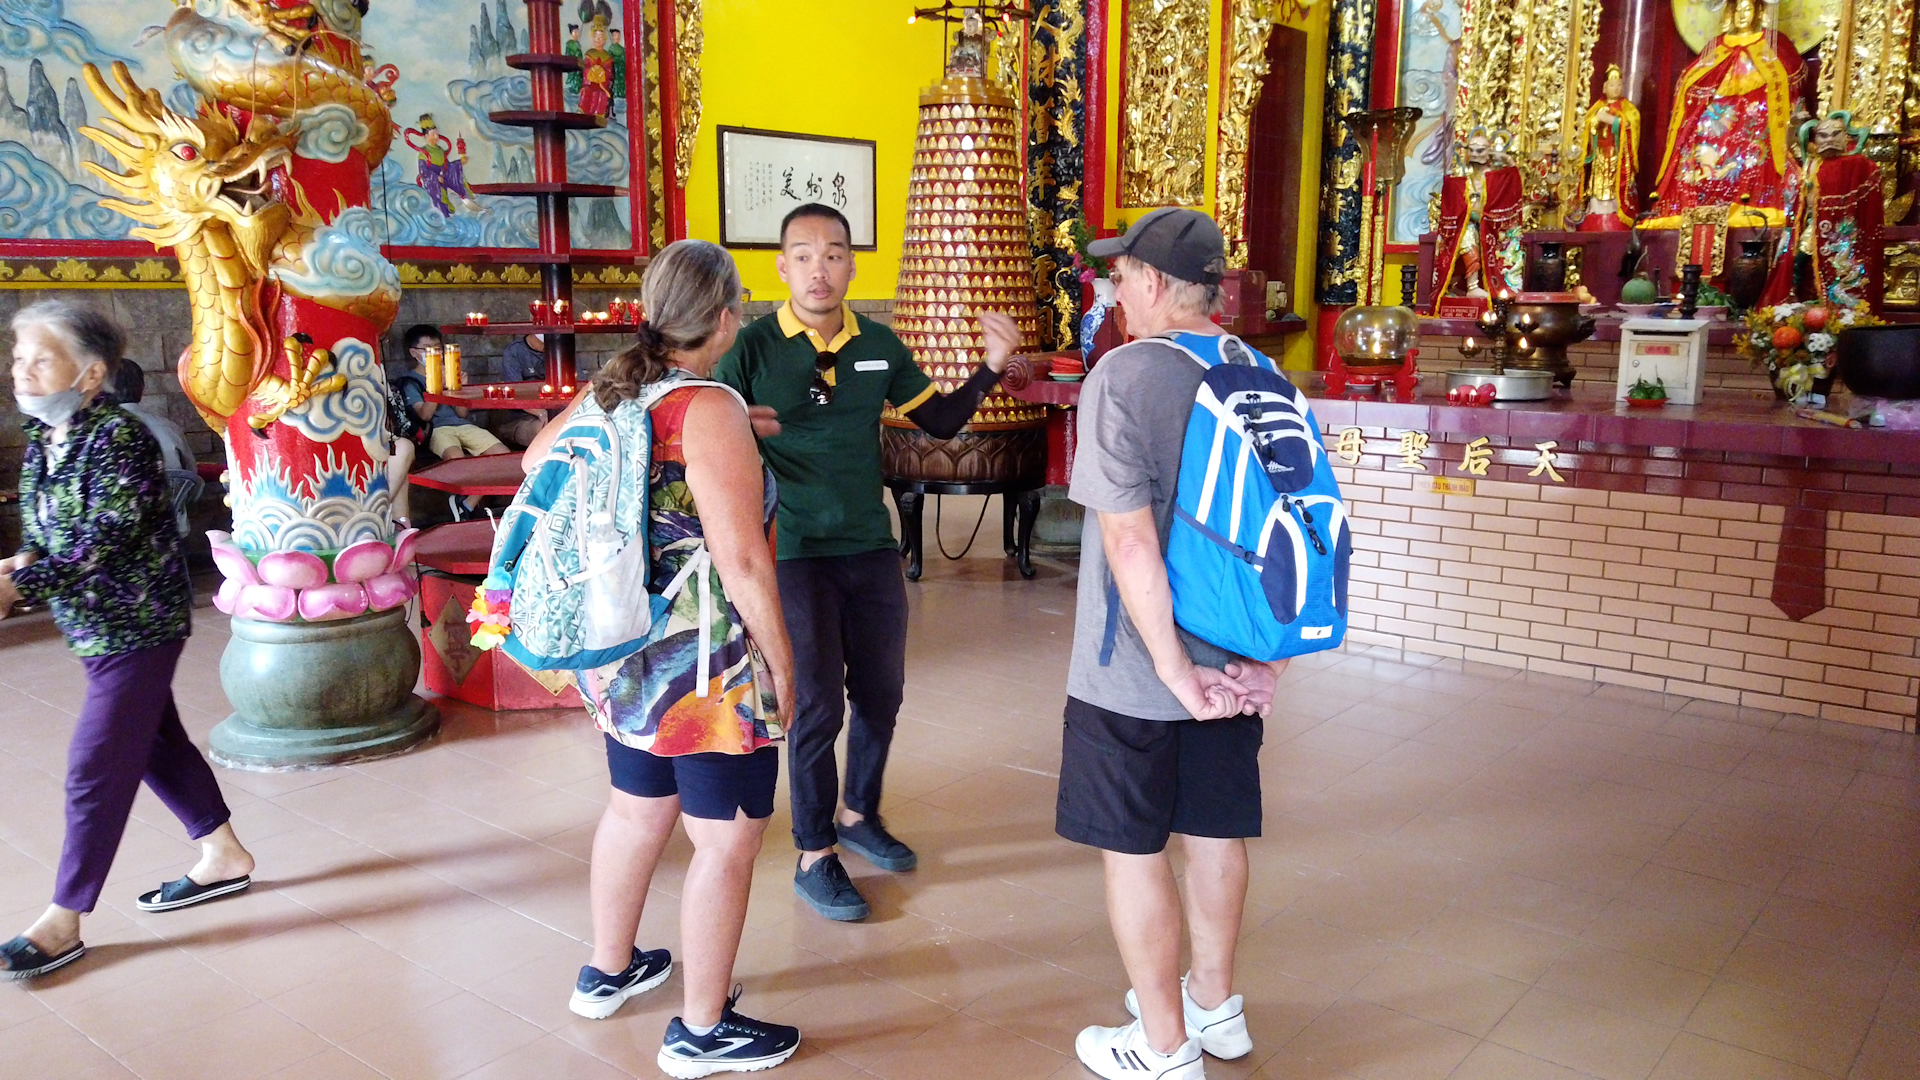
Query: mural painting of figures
column 421, row 199
column 1429, row 55
column 602, row 77
column 443, row 166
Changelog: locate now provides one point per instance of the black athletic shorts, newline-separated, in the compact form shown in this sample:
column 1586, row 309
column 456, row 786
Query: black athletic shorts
column 1126, row 784
column 713, row 786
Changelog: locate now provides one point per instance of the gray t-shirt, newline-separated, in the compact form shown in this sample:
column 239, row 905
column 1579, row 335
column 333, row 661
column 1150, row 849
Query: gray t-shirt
column 1133, row 420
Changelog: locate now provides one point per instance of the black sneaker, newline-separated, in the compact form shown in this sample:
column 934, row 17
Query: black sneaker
column 598, row 995
column 736, row 1044
column 869, row 839
column 459, row 508
column 828, row 890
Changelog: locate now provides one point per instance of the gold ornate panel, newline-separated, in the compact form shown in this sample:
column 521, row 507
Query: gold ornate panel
column 163, row 272
column 1872, row 46
column 1525, row 67
column 1163, row 141
column 1247, row 30
column 1903, row 275
column 689, row 38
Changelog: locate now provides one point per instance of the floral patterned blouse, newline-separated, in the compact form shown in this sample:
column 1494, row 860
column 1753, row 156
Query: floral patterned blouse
column 112, row 562
column 648, row 701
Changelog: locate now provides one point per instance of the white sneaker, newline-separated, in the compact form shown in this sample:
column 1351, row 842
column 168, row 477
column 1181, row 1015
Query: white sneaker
column 1123, row 1053
column 1222, row 1032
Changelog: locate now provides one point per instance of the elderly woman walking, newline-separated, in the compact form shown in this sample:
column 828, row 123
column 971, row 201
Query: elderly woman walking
column 100, row 546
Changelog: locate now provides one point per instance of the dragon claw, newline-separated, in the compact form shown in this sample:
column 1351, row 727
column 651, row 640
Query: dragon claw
column 277, row 396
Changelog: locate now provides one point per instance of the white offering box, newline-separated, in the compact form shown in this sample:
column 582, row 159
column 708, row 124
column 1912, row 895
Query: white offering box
column 1670, row 351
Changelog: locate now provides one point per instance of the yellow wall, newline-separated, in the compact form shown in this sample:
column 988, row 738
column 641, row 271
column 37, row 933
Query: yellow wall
column 1300, row 350
column 851, row 68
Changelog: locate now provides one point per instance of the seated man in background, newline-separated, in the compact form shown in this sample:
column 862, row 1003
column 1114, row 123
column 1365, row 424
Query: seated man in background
column 525, row 360
column 126, row 385
column 454, row 434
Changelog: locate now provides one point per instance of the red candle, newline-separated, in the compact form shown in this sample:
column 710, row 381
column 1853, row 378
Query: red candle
column 480, row 318
column 539, row 308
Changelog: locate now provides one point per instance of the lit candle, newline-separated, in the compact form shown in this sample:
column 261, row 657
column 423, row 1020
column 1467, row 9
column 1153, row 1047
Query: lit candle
column 480, row 318
column 546, row 390
column 1469, row 346
column 566, row 391
column 539, row 309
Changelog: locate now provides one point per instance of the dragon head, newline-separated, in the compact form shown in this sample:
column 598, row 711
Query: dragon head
column 186, row 175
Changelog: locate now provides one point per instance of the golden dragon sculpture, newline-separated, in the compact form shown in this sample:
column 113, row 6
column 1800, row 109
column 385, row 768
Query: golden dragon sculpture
column 207, row 189
column 202, row 187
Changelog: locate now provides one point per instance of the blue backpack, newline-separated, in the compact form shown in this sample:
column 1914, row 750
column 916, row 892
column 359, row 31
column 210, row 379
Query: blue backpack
column 1259, row 548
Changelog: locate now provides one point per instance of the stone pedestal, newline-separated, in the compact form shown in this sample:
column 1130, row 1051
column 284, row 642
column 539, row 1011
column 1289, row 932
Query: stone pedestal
column 327, row 693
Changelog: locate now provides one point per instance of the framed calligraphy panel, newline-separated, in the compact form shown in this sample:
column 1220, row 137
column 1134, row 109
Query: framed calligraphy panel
column 765, row 174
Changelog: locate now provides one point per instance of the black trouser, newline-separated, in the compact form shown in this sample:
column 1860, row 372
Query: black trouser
column 847, row 616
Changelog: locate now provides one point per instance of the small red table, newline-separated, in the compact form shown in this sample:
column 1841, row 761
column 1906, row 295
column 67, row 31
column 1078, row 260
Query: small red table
column 458, row 554
column 493, row 474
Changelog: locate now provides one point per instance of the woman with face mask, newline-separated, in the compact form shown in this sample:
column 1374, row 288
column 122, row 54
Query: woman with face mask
column 101, row 547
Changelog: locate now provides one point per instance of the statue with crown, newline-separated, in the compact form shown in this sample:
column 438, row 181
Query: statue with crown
column 1728, row 141
column 1478, row 249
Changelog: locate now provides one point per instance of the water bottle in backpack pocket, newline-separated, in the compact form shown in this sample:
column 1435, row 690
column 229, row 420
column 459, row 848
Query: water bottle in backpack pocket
column 1259, row 549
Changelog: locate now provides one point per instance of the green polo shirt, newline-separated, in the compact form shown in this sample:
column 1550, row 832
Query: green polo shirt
column 826, row 457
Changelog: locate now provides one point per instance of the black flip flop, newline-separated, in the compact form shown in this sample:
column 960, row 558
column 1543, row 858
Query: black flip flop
column 25, row 960
column 186, row 892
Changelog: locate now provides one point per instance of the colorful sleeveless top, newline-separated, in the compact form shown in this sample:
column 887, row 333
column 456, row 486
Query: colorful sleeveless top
column 648, row 701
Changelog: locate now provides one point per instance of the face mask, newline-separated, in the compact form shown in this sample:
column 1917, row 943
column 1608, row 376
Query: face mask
column 52, row 409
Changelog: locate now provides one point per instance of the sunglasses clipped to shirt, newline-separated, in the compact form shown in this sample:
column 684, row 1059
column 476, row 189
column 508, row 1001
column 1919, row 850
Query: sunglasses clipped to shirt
column 820, row 392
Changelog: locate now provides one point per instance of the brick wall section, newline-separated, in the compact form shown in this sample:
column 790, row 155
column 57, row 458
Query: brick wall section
column 1649, row 567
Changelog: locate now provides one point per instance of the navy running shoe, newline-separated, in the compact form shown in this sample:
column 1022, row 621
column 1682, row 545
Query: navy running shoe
column 736, row 1044
column 598, row 995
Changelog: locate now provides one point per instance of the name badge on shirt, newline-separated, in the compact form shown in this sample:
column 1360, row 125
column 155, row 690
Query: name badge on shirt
column 869, row 365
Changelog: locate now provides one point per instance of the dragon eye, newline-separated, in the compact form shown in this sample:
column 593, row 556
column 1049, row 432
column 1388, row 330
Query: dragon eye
column 186, row 151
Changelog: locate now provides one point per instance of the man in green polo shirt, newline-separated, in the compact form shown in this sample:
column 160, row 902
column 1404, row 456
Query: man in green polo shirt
column 826, row 374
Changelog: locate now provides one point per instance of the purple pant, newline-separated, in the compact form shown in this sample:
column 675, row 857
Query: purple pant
column 129, row 730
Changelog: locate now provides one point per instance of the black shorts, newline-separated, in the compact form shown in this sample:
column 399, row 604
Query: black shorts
column 1127, row 784
column 713, row 786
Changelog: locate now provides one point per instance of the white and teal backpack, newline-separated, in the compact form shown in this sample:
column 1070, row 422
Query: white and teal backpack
column 572, row 548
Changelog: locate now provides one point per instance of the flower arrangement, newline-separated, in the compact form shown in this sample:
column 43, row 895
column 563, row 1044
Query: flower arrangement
column 1795, row 341
column 491, row 614
column 1087, row 267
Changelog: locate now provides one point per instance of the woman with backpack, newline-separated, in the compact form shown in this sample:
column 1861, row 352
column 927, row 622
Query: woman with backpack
column 701, row 751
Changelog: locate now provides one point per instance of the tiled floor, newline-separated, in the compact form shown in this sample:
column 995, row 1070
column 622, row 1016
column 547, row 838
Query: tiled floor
column 1467, row 873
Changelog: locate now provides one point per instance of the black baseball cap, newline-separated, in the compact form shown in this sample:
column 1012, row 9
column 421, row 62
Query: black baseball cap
column 1173, row 240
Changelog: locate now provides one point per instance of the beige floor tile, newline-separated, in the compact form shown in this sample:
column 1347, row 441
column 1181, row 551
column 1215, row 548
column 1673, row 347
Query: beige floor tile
column 1582, row 1036
column 251, row 1043
column 964, row 1046
column 1891, row 1052
column 1543, row 904
column 1491, row 1061
column 1363, row 907
column 1440, row 992
column 1832, row 929
column 1798, row 971
column 547, row 1059
column 363, row 997
column 1791, row 1028
column 1657, row 934
column 449, row 1038
column 1359, row 1038
column 332, row 1063
column 1694, row 1058
column 48, row 1048
column 1626, row 983
column 150, row 1011
column 1315, row 952
column 1695, row 896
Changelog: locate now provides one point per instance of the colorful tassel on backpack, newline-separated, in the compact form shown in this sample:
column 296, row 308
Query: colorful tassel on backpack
column 491, row 612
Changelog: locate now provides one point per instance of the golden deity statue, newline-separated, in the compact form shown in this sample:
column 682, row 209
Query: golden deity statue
column 1728, row 136
column 1610, row 160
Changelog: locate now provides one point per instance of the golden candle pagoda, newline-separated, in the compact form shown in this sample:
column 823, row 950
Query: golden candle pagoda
column 966, row 249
